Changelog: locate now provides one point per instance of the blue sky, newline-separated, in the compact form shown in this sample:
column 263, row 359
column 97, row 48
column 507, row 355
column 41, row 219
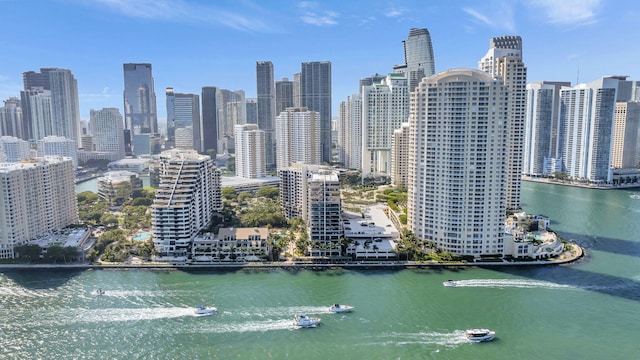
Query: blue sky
column 195, row 43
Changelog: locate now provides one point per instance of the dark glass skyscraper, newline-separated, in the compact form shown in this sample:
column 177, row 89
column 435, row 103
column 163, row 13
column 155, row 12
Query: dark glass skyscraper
column 209, row 118
column 315, row 95
column 419, row 61
column 284, row 95
column 140, row 114
column 266, row 93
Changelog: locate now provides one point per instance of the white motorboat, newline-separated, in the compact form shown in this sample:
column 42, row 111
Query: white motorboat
column 480, row 335
column 449, row 283
column 337, row 308
column 205, row 310
column 303, row 321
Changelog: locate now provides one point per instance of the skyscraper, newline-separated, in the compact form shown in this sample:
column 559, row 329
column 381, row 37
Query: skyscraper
column 298, row 133
column 541, row 147
column 350, row 132
column 249, row 145
column 58, row 146
column 504, row 61
column 209, row 119
column 11, row 118
column 60, row 114
column 456, row 183
column 188, row 195
column 13, row 149
column 587, row 113
column 315, row 95
column 385, row 106
column 140, row 114
column 625, row 150
column 251, row 110
column 284, row 95
column 39, row 197
column 107, row 127
column 266, row 93
column 400, row 156
column 183, row 110
column 418, row 57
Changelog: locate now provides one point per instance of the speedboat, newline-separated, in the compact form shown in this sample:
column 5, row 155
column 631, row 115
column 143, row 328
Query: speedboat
column 449, row 283
column 303, row 321
column 205, row 310
column 100, row 291
column 480, row 335
column 337, row 308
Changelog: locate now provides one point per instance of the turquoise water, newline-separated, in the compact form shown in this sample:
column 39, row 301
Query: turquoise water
column 141, row 236
column 588, row 310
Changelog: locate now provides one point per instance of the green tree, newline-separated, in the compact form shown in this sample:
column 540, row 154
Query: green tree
column 229, row 193
column 28, row 253
column 268, row 192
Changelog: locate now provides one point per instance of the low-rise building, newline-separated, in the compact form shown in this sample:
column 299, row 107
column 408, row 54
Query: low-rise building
column 373, row 236
column 231, row 244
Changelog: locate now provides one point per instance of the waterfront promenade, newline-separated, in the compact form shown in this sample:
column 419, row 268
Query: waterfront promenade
column 575, row 253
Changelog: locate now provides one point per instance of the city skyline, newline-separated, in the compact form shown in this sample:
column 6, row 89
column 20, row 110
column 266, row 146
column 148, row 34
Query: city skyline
column 218, row 45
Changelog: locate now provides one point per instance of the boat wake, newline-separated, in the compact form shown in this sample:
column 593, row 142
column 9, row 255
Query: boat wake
column 123, row 315
column 512, row 283
column 446, row 339
column 283, row 310
column 241, row 327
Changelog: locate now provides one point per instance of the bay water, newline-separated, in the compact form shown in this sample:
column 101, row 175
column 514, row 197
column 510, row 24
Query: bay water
column 586, row 310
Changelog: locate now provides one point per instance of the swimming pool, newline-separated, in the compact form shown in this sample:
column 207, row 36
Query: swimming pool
column 141, row 236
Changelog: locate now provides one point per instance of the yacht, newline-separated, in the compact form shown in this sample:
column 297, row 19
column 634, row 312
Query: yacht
column 449, row 283
column 303, row 321
column 205, row 310
column 480, row 335
column 337, row 308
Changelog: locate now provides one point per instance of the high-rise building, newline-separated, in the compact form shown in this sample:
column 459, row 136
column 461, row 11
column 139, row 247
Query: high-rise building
column 312, row 193
column 249, row 146
column 315, row 95
column 400, row 156
column 504, row 60
column 107, row 127
column 184, row 138
column 11, row 119
column 587, row 112
column 284, row 95
column 230, row 111
column 297, row 100
column 251, row 106
column 13, row 149
column 38, row 197
column 87, row 142
column 188, row 195
column 183, row 110
column 140, row 114
column 266, row 94
column 298, row 133
column 350, row 132
column 419, row 61
column 457, row 162
column 58, row 146
column 625, row 150
column 58, row 113
column 209, row 119
column 385, row 106
column 542, row 155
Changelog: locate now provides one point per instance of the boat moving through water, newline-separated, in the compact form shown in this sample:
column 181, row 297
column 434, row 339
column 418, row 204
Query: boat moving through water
column 337, row 308
column 480, row 335
column 205, row 310
column 303, row 321
column 449, row 283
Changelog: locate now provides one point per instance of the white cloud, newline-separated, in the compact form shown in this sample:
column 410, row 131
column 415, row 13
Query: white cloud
column 184, row 11
column 393, row 12
column 478, row 16
column 569, row 12
column 320, row 20
column 501, row 16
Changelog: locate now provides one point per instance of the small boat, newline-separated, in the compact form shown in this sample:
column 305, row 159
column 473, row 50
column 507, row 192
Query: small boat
column 337, row 308
column 480, row 335
column 303, row 321
column 100, row 291
column 634, row 196
column 449, row 283
column 205, row 310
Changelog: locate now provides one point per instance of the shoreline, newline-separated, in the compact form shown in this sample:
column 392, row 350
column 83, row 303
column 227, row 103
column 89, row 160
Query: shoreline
column 576, row 254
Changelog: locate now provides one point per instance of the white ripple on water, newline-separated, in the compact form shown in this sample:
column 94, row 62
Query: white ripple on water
column 22, row 292
column 284, row 310
column 122, row 315
column 249, row 326
column 447, row 339
column 513, row 283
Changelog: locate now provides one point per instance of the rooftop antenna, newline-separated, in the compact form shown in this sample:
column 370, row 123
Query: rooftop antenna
column 578, row 74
